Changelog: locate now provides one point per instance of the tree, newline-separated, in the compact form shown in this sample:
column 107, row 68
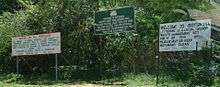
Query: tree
column 9, row 6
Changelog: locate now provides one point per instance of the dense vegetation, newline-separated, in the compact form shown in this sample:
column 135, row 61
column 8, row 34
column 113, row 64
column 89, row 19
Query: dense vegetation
column 89, row 57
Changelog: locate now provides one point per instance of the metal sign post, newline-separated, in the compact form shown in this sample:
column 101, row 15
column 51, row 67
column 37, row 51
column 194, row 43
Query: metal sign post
column 56, row 69
column 158, row 72
column 17, row 65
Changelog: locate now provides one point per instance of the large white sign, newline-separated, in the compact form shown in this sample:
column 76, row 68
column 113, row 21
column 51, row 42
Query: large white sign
column 183, row 36
column 36, row 44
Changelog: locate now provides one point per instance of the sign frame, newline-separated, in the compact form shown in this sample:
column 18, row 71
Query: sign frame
column 175, row 27
column 56, row 53
column 39, row 37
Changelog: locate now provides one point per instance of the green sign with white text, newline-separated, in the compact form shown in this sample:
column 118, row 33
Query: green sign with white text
column 114, row 21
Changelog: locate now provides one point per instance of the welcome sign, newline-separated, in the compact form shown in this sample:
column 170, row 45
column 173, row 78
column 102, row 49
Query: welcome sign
column 37, row 44
column 183, row 36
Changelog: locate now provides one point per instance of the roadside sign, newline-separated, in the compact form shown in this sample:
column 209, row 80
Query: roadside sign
column 183, row 36
column 37, row 44
column 114, row 21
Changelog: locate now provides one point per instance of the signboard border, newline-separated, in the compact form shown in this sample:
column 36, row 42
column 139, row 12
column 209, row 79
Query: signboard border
column 37, row 35
column 133, row 26
column 209, row 20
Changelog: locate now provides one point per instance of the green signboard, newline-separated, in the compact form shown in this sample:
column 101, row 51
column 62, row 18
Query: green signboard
column 114, row 21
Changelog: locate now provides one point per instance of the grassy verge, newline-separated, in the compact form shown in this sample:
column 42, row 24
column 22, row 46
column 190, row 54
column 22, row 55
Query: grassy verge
column 217, row 82
column 127, row 80
column 142, row 80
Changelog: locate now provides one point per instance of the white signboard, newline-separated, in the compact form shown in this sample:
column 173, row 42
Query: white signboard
column 36, row 44
column 183, row 36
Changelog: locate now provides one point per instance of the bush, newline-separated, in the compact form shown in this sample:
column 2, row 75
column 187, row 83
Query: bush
column 10, row 25
column 202, row 76
column 10, row 78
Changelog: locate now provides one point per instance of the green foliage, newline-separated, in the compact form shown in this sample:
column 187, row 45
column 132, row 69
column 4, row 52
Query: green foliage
column 9, row 6
column 11, row 25
column 179, row 69
column 10, row 78
column 190, row 67
column 85, row 54
column 202, row 77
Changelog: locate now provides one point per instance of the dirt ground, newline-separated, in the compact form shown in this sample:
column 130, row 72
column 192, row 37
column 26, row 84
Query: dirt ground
column 94, row 85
